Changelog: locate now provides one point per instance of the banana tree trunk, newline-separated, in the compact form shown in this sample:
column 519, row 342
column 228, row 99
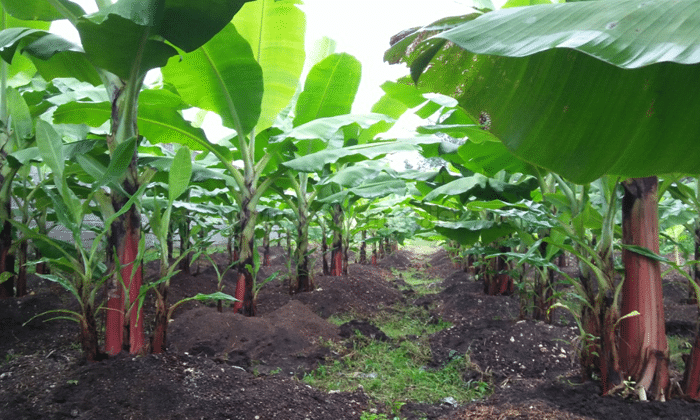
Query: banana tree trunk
column 497, row 279
column 266, row 245
column 696, row 267
column 643, row 347
column 337, row 245
column 374, row 253
column 346, row 252
column 245, row 280
column 543, row 296
column 186, row 262
column 303, row 281
column 125, row 332
column 544, row 290
column 363, row 248
column 124, row 318
column 161, row 322
column 88, row 336
column 7, row 260
column 324, row 247
column 691, row 376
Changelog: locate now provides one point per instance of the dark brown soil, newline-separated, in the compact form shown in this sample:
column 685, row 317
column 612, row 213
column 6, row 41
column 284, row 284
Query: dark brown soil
column 226, row 366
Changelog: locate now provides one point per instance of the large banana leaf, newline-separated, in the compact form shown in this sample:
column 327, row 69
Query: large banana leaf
column 221, row 76
column 159, row 118
column 117, row 38
column 329, row 89
column 38, row 9
column 383, row 185
column 484, row 188
column 275, row 30
column 316, row 161
column 546, row 93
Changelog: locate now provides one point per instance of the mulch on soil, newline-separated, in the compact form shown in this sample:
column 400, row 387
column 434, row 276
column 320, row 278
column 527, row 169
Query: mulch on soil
column 226, row 366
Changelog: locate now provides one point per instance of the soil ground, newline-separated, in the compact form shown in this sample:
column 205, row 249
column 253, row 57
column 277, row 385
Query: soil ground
column 226, row 366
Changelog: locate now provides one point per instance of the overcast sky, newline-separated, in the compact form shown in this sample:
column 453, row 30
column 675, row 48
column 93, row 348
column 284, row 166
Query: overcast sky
column 363, row 28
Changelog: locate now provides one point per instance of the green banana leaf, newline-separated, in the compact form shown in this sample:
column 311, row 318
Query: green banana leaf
column 39, row 9
column 275, row 30
column 555, row 103
column 316, row 161
column 469, row 232
column 221, row 76
column 179, row 174
column 484, row 188
column 330, row 89
column 117, row 38
column 159, row 118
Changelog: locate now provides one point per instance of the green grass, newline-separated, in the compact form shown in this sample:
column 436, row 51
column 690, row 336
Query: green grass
column 421, row 247
column 397, row 372
column 401, row 321
column 418, row 281
column 677, row 347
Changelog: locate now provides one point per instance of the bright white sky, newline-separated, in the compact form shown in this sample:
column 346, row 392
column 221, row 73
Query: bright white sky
column 363, row 28
column 360, row 27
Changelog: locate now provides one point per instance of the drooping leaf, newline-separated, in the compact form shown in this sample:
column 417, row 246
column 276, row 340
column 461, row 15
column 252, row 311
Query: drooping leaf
column 316, row 161
column 11, row 37
column 68, row 64
column 70, row 152
column 326, row 128
column 159, row 118
column 118, row 43
column 565, row 110
column 221, row 76
column 625, row 33
column 49, row 45
column 471, row 231
column 484, row 188
column 381, row 186
column 189, row 24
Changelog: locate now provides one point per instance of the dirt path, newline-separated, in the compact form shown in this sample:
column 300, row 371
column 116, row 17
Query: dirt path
column 226, row 366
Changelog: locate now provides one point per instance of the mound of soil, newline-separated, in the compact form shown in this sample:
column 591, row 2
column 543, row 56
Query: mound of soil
column 226, row 366
column 286, row 339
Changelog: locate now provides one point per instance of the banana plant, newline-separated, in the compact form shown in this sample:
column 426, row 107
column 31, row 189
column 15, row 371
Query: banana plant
column 178, row 181
column 323, row 123
column 227, row 76
column 81, row 269
column 689, row 194
column 120, row 44
column 553, row 108
column 17, row 133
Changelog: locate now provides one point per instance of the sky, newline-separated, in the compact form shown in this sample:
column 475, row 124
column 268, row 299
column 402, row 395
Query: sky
column 363, row 28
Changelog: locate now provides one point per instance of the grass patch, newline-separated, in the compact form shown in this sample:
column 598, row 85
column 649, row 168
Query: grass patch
column 401, row 321
column 418, row 281
column 340, row 319
column 677, row 347
column 420, row 246
column 395, row 372
column 389, row 373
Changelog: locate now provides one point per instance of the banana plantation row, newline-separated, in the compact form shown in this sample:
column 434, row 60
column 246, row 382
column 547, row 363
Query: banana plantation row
column 545, row 151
